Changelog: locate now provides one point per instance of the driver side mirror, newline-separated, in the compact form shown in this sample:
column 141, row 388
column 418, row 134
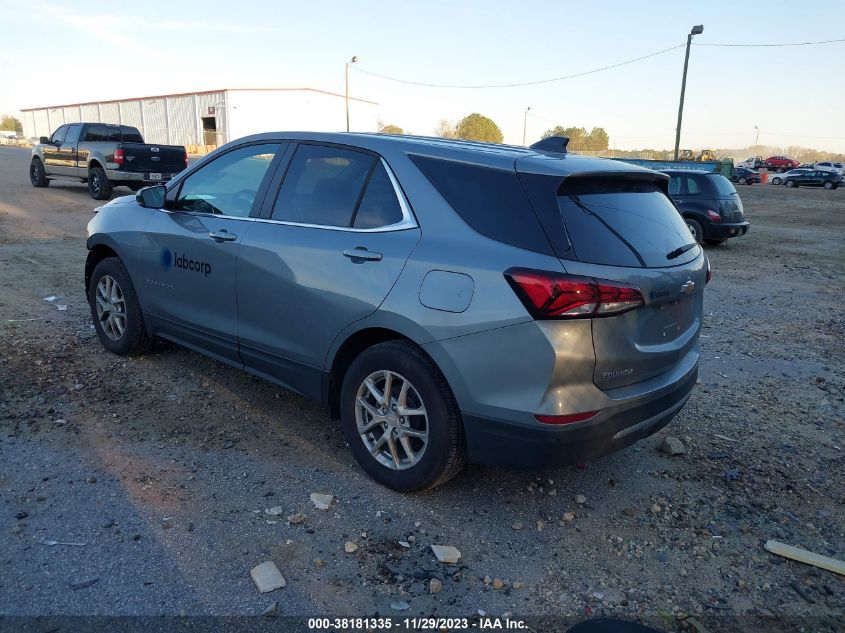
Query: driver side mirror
column 152, row 197
column 44, row 140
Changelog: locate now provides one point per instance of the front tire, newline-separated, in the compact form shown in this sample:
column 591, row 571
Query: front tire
column 828, row 185
column 401, row 419
column 37, row 175
column 115, row 310
column 742, row 181
column 695, row 228
column 98, row 184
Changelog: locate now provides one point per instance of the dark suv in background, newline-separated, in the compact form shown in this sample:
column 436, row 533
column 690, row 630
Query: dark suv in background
column 709, row 204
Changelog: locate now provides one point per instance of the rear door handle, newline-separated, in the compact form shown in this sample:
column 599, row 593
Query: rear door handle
column 361, row 253
column 222, row 236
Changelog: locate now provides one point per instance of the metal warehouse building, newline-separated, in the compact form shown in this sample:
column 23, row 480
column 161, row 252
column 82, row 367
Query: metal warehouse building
column 200, row 120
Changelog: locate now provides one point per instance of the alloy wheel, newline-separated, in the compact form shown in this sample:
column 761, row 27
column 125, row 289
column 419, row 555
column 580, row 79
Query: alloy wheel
column 692, row 230
column 391, row 420
column 111, row 307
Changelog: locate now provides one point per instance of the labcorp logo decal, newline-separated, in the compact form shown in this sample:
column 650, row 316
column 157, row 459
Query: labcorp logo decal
column 180, row 260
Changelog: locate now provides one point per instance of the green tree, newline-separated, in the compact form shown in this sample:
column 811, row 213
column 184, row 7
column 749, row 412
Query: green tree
column 598, row 139
column 9, row 123
column 477, row 127
column 580, row 140
column 389, row 128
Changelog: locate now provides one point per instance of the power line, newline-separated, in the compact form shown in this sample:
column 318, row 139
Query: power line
column 771, row 45
column 515, row 85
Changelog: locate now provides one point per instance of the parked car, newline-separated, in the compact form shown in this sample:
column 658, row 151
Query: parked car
column 818, row 178
column 709, row 204
column 777, row 179
column 447, row 300
column 104, row 156
column 829, row 166
column 744, row 176
column 780, row 163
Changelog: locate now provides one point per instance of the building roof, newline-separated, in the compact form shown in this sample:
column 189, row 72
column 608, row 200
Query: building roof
column 199, row 92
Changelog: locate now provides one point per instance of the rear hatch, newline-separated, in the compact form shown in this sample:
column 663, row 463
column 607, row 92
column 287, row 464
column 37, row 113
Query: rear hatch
column 622, row 226
column 153, row 159
column 730, row 205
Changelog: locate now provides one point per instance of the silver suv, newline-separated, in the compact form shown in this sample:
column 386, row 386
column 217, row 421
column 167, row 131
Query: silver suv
column 447, row 300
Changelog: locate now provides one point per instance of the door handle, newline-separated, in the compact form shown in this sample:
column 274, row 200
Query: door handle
column 361, row 253
column 222, row 236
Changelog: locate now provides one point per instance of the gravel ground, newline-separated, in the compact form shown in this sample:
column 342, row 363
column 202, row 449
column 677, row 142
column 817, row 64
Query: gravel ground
column 161, row 468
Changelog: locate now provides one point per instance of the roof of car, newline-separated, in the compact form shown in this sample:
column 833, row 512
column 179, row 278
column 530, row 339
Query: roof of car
column 488, row 154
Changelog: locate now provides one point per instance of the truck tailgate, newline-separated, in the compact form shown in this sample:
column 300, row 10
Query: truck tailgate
column 151, row 158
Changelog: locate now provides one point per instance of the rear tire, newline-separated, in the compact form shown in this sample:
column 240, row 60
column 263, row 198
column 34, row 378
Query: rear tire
column 98, row 184
column 790, row 184
column 695, row 228
column 444, row 452
column 775, row 180
column 115, row 310
column 828, row 185
column 742, row 181
column 37, row 175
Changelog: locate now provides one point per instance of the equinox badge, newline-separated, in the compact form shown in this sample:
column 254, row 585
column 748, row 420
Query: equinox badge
column 688, row 288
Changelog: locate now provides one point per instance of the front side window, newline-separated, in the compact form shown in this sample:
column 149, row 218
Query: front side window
column 229, row 184
column 73, row 134
column 59, row 135
column 323, row 186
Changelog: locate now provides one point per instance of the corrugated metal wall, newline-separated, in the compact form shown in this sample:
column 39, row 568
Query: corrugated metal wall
column 183, row 128
column 155, row 120
column 173, row 120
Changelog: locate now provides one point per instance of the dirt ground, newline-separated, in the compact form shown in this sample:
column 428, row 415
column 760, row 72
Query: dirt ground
column 160, row 468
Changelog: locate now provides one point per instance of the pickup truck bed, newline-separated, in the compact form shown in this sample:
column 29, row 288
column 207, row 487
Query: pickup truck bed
column 104, row 156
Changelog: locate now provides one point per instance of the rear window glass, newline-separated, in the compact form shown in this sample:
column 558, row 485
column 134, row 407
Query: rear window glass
column 130, row 135
column 723, row 186
column 623, row 223
column 491, row 201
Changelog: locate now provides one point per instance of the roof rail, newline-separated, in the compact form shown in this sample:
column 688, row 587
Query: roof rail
column 555, row 144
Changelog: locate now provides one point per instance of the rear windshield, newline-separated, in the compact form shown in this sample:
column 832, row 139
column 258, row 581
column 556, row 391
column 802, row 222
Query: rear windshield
column 723, row 186
column 623, row 223
column 130, row 135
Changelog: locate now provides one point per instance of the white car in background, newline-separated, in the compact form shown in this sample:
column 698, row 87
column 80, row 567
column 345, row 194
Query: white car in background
column 777, row 179
column 829, row 166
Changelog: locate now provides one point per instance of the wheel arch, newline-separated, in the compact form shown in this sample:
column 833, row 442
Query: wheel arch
column 349, row 348
column 96, row 253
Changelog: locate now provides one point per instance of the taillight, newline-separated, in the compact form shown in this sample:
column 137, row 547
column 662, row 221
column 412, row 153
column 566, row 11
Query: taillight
column 709, row 271
column 566, row 419
column 118, row 156
column 186, row 159
column 549, row 295
column 715, row 217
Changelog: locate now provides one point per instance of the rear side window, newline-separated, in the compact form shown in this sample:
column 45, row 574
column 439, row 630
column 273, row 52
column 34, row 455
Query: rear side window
column 723, row 186
column 96, row 133
column 623, row 223
column 491, row 201
column 130, row 135
column 379, row 206
column 323, row 185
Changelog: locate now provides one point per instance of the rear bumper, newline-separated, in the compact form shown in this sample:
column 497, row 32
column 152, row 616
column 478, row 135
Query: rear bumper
column 510, row 445
column 718, row 231
column 115, row 175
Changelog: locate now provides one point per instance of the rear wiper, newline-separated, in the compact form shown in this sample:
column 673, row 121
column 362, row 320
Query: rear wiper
column 680, row 250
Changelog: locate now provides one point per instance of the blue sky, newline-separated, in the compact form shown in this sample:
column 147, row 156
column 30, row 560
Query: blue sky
column 61, row 52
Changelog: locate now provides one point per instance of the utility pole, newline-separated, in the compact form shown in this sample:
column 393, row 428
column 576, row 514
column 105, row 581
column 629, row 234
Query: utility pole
column 352, row 61
column 756, row 141
column 525, row 124
column 696, row 30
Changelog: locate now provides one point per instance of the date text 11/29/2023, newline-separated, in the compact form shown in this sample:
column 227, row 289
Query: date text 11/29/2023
column 482, row 623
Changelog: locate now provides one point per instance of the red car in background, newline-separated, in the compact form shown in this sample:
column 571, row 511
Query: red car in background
column 780, row 163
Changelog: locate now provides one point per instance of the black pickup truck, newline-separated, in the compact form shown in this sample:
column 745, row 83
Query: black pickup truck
column 104, row 156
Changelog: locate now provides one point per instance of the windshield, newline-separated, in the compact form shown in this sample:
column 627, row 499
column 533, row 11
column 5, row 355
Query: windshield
column 624, row 223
